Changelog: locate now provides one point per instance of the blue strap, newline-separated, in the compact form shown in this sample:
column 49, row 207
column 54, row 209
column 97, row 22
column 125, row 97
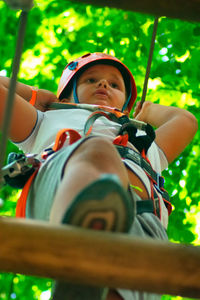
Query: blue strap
column 74, row 91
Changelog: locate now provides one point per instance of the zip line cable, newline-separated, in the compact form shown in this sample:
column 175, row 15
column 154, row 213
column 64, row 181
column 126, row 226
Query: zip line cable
column 144, row 92
column 12, row 87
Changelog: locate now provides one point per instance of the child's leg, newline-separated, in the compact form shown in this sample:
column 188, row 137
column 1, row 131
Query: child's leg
column 94, row 157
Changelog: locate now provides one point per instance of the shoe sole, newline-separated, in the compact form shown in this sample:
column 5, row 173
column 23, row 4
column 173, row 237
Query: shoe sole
column 103, row 205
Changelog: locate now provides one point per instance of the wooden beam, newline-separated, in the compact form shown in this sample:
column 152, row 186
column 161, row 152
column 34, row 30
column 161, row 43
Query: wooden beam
column 20, row 4
column 186, row 10
column 98, row 258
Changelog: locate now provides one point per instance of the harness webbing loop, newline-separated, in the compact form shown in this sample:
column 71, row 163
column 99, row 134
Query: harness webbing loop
column 60, row 140
column 92, row 118
column 148, row 206
column 62, row 136
column 156, row 179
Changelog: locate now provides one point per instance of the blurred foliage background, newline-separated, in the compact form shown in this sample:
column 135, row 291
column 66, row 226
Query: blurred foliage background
column 59, row 31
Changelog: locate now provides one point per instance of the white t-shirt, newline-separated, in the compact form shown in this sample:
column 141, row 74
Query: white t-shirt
column 50, row 122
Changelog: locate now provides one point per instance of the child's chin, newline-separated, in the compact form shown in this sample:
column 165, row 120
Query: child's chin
column 101, row 102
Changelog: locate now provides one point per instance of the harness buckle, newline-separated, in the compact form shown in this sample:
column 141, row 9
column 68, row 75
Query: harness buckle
column 19, row 169
column 20, row 165
column 47, row 152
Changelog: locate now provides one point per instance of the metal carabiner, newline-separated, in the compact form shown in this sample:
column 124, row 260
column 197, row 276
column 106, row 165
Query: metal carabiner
column 18, row 171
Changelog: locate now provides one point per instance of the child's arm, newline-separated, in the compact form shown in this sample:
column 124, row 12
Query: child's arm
column 43, row 99
column 175, row 127
column 24, row 115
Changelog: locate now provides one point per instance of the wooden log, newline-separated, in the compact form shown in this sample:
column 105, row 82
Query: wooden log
column 20, row 4
column 186, row 10
column 98, row 258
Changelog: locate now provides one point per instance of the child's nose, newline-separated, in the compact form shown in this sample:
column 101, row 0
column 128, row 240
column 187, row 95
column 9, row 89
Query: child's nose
column 103, row 83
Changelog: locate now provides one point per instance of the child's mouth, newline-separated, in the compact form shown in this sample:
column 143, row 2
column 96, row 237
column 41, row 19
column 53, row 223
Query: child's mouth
column 101, row 93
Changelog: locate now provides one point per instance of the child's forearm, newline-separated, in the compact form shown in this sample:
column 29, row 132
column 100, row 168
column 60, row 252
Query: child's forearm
column 158, row 115
column 43, row 98
column 23, row 90
column 175, row 127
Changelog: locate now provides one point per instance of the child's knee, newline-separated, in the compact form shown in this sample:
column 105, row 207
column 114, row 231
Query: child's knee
column 98, row 150
column 98, row 155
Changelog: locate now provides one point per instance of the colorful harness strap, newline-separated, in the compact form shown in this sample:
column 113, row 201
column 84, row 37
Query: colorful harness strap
column 21, row 203
column 156, row 180
column 60, row 140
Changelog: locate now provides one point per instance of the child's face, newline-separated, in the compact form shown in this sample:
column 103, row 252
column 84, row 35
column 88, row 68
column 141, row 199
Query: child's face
column 102, row 85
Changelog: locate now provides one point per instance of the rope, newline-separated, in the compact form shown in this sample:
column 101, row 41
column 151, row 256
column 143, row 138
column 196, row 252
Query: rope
column 155, row 26
column 11, row 91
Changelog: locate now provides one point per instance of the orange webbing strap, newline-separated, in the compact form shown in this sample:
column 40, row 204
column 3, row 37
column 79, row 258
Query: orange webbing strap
column 59, row 142
column 21, row 203
column 33, row 98
column 62, row 135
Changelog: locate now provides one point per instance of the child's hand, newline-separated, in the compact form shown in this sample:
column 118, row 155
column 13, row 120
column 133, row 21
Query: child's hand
column 44, row 99
column 137, row 109
column 140, row 113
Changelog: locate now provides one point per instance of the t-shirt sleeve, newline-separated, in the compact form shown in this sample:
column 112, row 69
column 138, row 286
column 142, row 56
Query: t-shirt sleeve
column 163, row 159
column 157, row 158
column 27, row 144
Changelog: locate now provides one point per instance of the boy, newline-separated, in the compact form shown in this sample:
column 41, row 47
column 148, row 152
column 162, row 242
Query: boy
column 86, row 182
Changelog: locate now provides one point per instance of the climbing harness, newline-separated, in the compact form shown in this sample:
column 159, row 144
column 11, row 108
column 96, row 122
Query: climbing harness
column 128, row 133
column 141, row 143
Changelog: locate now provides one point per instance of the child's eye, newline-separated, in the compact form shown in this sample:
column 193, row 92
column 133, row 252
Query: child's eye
column 91, row 80
column 114, row 85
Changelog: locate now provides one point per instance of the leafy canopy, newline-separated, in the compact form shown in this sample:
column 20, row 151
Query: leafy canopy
column 59, row 31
